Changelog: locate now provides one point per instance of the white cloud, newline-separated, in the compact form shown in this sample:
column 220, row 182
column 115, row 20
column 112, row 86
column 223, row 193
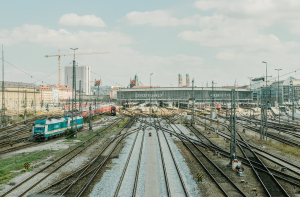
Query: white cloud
column 85, row 20
column 122, row 62
column 158, row 18
column 62, row 38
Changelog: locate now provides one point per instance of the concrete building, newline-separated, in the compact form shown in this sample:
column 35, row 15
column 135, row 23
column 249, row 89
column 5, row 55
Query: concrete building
column 180, row 80
column 46, row 94
column 83, row 73
column 187, row 80
column 53, row 94
column 285, row 91
column 19, row 96
column 101, row 90
column 202, row 94
column 113, row 92
column 65, row 92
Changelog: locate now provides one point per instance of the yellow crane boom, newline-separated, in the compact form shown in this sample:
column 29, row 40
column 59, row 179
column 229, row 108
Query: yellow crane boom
column 59, row 55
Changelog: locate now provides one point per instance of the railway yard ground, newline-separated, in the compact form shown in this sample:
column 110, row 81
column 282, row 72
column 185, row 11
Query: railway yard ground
column 138, row 154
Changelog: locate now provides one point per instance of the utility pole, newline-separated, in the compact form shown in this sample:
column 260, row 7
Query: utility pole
column 232, row 125
column 292, row 93
column 18, row 101
column 213, row 96
column 90, row 118
column 34, row 104
column 193, row 117
column 80, row 97
column 264, row 116
column 278, row 100
column 25, row 105
column 98, row 92
column 202, row 97
column 150, row 95
column 3, row 96
column 73, row 90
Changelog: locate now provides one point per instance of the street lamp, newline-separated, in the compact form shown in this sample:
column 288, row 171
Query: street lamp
column 278, row 99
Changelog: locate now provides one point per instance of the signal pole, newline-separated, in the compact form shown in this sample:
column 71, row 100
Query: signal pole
column 232, row 125
column 25, row 105
column 193, row 117
column 90, row 118
column 74, row 91
column 3, row 96
column 79, row 96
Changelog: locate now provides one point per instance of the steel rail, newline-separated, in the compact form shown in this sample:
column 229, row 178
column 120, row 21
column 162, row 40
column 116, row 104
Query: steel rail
column 9, row 191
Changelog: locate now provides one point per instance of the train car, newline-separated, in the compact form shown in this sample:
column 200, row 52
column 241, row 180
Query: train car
column 218, row 106
column 95, row 110
column 113, row 110
column 49, row 128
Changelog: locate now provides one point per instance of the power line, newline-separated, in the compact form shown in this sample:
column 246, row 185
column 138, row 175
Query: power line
column 30, row 74
column 51, row 73
column 284, row 74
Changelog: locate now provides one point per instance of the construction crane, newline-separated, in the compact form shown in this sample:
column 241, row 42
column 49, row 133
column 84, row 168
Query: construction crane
column 59, row 55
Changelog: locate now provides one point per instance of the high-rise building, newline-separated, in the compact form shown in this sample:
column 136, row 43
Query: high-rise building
column 180, row 80
column 187, row 80
column 83, row 73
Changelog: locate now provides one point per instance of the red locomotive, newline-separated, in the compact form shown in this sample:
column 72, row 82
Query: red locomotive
column 113, row 110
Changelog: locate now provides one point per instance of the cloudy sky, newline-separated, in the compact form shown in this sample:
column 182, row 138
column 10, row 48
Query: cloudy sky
column 216, row 40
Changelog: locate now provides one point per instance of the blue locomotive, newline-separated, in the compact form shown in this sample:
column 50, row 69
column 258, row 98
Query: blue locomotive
column 48, row 128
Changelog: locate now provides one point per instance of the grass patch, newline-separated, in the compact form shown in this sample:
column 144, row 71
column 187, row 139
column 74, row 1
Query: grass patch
column 122, row 123
column 84, row 138
column 286, row 149
column 16, row 163
column 278, row 146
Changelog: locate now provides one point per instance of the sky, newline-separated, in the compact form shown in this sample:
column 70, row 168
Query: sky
column 211, row 40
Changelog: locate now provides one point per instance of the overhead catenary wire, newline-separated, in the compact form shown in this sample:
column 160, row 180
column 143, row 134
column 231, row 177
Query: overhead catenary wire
column 104, row 77
column 284, row 74
column 31, row 74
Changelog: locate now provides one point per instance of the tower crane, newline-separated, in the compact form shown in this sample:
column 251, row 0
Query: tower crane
column 59, row 55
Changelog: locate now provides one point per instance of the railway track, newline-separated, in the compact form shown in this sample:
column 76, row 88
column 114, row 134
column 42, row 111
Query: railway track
column 59, row 162
column 222, row 181
column 276, row 173
column 171, row 164
column 79, row 181
column 257, row 130
column 259, row 150
column 28, row 143
column 132, row 181
column 267, row 176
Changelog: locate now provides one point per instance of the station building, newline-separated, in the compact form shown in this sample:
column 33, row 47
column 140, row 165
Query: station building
column 182, row 94
column 284, row 91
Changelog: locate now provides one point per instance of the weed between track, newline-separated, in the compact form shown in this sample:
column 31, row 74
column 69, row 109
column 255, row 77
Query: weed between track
column 16, row 164
column 278, row 146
